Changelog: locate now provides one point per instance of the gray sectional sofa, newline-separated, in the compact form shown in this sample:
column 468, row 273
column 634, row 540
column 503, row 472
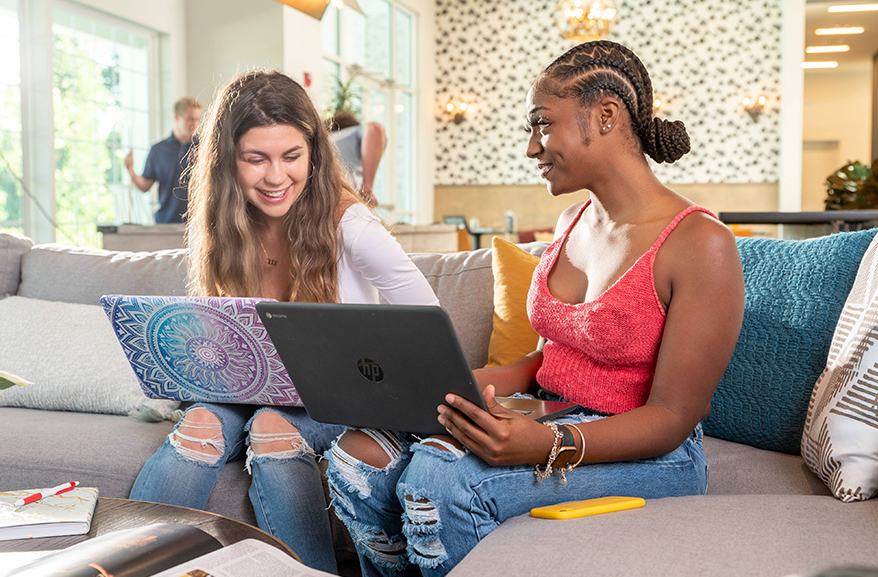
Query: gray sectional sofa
column 765, row 513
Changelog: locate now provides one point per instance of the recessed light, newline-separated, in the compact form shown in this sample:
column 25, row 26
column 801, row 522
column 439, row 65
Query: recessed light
column 827, row 49
column 854, row 8
column 840, row 30
column 830, row 64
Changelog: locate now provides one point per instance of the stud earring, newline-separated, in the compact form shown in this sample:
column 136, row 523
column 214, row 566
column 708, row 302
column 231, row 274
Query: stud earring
column 607, row 127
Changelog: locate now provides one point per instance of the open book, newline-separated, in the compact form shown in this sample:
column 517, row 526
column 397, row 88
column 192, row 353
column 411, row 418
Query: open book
column 166, row 550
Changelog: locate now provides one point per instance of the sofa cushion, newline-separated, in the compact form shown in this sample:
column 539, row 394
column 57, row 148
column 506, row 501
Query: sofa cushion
column 738, row 469
column 840, row 441
column 82, row 275
column 795, row 290
column 12, row 248
column 70, row 354
column 753, row 535
column 464, row 285
column 103, row 451
column 512, row 337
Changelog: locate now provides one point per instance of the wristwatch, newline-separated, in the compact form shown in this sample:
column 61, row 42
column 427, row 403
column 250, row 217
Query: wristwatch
column 568, row 448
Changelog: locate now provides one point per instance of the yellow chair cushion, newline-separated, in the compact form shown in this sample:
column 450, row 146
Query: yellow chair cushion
column 512, row 336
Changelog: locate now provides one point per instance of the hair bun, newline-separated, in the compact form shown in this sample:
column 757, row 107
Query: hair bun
column 666, row 141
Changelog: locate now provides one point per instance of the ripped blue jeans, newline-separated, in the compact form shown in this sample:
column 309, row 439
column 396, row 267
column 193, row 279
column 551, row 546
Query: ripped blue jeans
column 286, row 489
column 429, row 507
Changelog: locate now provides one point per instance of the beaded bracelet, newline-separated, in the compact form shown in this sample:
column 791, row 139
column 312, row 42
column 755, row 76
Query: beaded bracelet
column 547, row 472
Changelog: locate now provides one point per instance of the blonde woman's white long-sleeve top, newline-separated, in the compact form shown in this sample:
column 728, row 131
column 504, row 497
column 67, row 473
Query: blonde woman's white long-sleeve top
column 372, row 263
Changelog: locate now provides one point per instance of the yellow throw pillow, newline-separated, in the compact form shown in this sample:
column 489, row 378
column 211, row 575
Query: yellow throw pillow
column 512, row 336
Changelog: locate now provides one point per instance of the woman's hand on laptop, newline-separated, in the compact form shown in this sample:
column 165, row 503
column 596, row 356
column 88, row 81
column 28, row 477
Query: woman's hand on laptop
column 499, row 436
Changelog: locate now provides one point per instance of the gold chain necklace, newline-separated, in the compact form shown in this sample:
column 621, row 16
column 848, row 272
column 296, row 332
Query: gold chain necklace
column 271, row 261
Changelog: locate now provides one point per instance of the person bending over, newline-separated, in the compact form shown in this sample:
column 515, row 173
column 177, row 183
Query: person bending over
column 360, row 147
column 639, row 301
column 271, row 216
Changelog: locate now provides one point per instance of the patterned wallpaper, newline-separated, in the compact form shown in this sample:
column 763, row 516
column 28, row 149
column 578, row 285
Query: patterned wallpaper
column 703, row 57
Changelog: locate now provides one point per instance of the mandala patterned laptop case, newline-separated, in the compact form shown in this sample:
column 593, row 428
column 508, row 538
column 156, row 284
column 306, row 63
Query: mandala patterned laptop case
column 209, row 349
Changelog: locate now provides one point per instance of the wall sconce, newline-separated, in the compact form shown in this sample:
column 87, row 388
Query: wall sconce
column 457, row 110
column 754, row 106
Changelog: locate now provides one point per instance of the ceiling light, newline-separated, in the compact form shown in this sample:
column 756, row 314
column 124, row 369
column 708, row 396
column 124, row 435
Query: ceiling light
column 827, row 49
column 854, row 8
column 830, row 64
column 840, row 30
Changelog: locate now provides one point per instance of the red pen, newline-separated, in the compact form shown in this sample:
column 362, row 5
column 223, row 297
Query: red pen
column 47, row 493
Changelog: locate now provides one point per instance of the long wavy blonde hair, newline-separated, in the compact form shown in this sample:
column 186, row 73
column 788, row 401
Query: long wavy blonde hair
column 222, row 240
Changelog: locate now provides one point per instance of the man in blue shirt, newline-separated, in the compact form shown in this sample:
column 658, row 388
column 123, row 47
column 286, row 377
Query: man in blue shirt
column 167, row 161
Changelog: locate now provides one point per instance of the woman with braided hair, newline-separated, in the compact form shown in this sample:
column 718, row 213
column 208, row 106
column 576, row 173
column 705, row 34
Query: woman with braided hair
column 638, row 301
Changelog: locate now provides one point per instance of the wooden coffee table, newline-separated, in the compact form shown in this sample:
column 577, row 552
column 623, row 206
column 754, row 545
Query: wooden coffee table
column 117, row 514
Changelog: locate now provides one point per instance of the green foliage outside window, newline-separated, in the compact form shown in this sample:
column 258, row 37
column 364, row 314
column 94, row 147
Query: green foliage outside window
column 85, row 139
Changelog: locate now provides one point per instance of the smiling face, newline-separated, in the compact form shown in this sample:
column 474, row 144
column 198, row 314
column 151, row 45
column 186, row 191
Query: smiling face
column 559, row 141
column 273, row 165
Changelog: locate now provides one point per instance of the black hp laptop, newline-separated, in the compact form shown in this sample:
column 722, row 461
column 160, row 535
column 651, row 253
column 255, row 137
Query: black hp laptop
column 379, row 366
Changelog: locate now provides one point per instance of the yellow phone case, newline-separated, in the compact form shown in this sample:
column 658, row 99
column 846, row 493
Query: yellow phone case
column 574, row 509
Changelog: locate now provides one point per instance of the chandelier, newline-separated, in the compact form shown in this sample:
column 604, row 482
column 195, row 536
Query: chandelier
column 585, row 20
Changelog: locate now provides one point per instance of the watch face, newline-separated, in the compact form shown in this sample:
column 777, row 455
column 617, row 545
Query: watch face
column 568, row 447
column 564, row 456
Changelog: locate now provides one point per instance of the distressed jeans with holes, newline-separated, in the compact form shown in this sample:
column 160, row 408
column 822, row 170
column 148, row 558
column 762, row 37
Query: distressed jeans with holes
column 286, row 490
column 450, row 501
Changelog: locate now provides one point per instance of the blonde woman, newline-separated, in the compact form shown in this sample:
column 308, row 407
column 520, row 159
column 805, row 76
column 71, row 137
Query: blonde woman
column 270, row 215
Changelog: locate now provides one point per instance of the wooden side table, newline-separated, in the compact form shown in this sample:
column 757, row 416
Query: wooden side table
column 118, row 514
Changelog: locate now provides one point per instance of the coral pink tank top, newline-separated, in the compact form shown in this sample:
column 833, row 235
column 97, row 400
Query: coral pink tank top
column 601, row 354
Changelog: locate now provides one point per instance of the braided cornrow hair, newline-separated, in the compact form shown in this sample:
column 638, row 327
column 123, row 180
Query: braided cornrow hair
column 594, row 70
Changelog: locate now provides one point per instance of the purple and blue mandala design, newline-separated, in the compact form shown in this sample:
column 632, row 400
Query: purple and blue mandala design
column 200, row 349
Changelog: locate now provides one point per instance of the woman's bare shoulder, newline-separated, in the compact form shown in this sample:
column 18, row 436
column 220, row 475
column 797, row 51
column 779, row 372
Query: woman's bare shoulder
column 700, row 240
column 567, row 217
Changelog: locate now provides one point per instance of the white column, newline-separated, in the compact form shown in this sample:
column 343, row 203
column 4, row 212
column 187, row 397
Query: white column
column 302, row 51
column 792, row 88
column 38, row 130
column 425, row 155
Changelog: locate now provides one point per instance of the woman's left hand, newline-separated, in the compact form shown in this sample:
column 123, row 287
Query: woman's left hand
column 499, row 436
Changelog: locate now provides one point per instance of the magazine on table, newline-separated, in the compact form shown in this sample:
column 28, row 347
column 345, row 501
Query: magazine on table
column 165, row 550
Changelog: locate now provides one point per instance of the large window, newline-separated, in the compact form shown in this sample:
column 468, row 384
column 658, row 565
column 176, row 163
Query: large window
column 102, row 104
column 11, row 165
column 101, row 79
column 378, row 50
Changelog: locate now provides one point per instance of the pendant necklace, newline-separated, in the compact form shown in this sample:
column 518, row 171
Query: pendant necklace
column 271, row 261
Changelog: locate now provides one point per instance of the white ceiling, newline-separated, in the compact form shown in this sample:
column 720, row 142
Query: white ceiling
column 863, row 46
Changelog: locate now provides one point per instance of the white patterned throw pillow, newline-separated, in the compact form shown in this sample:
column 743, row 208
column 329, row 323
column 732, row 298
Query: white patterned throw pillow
column 71, row 356
column 840, row 440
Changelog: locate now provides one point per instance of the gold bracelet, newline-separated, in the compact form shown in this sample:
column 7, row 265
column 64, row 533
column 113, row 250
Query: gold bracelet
column 547, row 472
column 582, row 455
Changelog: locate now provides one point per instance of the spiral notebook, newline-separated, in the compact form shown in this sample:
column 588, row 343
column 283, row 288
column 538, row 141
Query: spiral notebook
column 69, row 513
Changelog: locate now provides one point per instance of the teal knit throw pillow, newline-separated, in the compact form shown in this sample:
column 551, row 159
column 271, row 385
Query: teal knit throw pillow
column 795, row 291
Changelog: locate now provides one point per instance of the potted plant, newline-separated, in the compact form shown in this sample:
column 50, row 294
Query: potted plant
column 853, row 186
column 346, row 95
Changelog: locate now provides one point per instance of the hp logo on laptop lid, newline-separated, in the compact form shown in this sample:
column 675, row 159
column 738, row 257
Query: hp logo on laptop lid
column 370, row 369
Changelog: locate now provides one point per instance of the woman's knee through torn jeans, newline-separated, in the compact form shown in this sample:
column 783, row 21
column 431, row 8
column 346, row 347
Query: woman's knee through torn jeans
column 286, row 488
